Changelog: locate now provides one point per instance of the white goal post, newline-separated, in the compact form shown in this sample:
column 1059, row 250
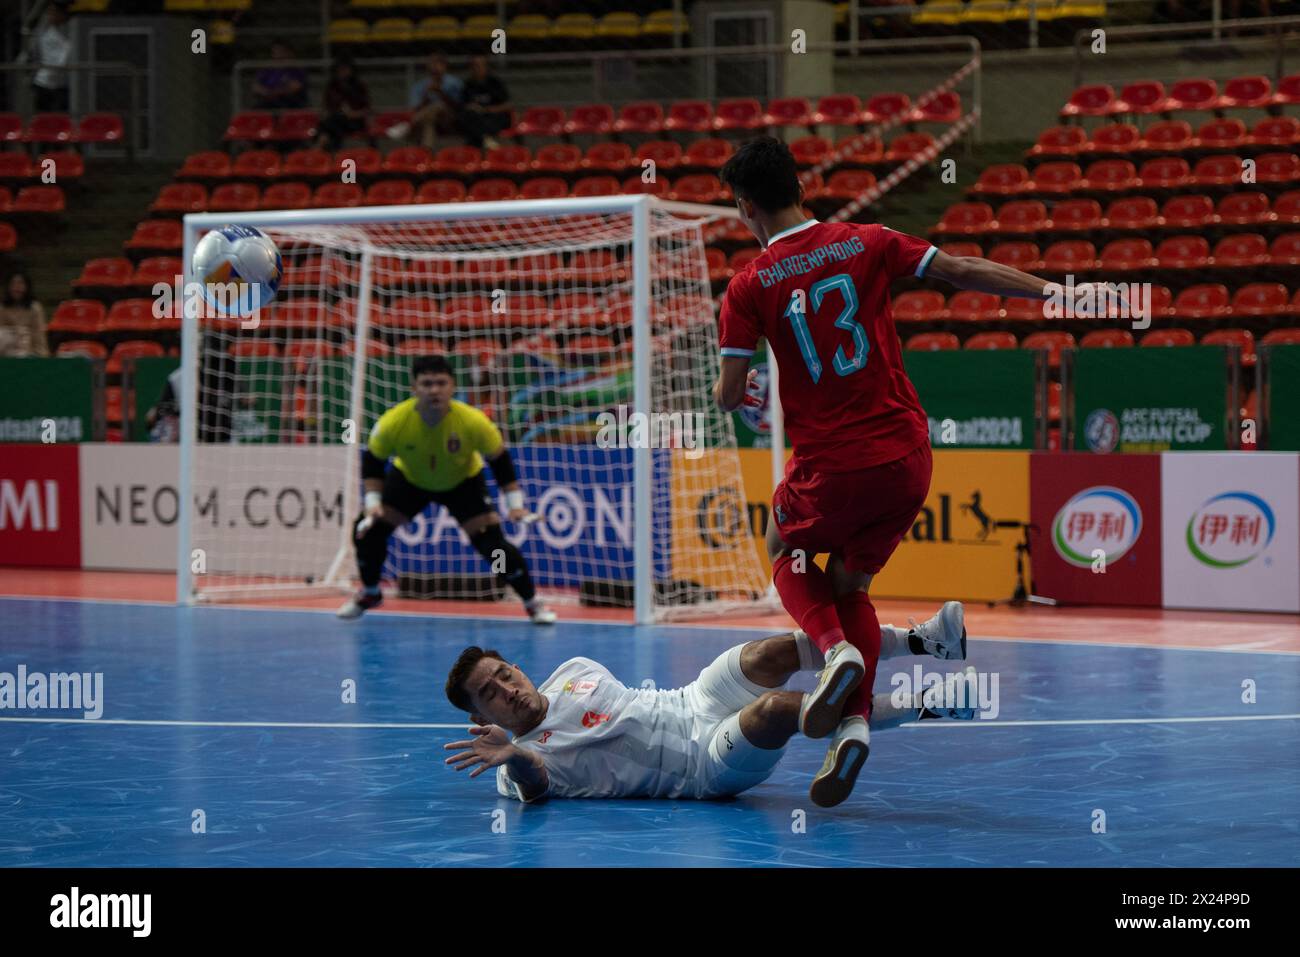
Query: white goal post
column 565, row 319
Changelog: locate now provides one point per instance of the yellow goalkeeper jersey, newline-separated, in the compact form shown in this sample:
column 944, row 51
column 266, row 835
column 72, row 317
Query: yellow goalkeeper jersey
column 439, row 458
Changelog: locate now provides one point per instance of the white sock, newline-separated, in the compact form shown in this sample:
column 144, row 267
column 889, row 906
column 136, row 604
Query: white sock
column 810, row 656
column 893, row 642
column 885, row 714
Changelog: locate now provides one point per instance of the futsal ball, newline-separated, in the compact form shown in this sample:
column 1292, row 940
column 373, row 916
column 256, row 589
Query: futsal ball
column 239, row 268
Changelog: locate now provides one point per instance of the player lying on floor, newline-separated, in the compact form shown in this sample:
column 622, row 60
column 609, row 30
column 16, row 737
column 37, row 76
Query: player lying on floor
column 584, row 733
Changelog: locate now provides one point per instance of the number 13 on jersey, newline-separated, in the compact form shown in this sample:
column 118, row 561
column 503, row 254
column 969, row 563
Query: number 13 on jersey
column 796, row 312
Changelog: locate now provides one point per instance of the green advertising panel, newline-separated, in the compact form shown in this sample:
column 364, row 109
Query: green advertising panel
column 145, row 377
column 983, row 399
column 49, row 399
column 1283, row 397
column 1150, row 400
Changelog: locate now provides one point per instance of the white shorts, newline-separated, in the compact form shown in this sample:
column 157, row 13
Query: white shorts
column 730, row 763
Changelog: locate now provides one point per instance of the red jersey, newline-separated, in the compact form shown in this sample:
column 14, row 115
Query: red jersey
column 819, row 295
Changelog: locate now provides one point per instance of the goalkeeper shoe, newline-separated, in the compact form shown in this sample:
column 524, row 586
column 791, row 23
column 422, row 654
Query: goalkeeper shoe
column 359, row 604
column 944, row 635
column 967, row 699
column 539, row 613
column 820, row 712
column 844, row 759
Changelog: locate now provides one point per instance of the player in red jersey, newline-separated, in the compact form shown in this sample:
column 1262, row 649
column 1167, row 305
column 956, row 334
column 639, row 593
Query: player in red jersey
column 819, row 295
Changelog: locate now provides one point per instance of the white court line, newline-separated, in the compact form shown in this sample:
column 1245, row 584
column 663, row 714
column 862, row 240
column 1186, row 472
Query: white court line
column 465, row 726
column 1248, row 648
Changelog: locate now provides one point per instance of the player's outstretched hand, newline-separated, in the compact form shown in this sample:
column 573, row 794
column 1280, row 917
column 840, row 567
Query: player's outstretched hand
column 753, row 395
column 489, row 747
column 521, row 515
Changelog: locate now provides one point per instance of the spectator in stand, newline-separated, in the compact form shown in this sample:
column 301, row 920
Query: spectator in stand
column 436, row 100
column 51, row 48
column 487, row 106
column 281, row 87
column 347, row 101
column 22, row 320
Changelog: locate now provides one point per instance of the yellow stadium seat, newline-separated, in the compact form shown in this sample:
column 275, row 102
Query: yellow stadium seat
column 185, row 6
column 841, row 14
column 374, row 4
column 986, row 11
column 89, row 6
column 574, row 26
column 529, row 26
column 221, row 32
column 349, row 30
column 229, row 6
column 662, row 23
column 438, row 29
column 945, row 13
column 478, row 27
column 424, row 3
column 392, row 30
column 1080, row 9
column 621, row 25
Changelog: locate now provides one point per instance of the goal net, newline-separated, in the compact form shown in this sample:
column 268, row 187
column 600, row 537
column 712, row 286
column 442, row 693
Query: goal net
column 585, row 329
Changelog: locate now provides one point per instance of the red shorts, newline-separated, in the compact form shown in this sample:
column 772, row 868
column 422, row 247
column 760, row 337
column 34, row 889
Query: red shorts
column 861, row 516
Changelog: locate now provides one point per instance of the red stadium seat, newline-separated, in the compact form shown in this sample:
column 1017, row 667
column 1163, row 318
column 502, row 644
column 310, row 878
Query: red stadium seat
column 1142, row 98
column 1288, row 91
column 608, row 157
column 50, row 128
column 180, row 198
column 839, row 109
column 508, row 161
column 1286, row 208
column 544, row 187
column 1244, row 209
column 156, row 269
column 309, row 163
column 290, row 195
column 130, row 316
column 382, row 122
column 1167, row 338
column 541, row 121
column 1062, row 141
column 742, row 258
column 338, row 195
column 699, row 188
column 961, row 249
column 666, row 154
column 1077, row 216
column 856, row 150
column 597, row 186
column 1242, row 251
column 1133, row 212
column 100, row 128
column 1022, row 311
column 1263, row 299
column 132, row 349
column 1245, row 93
column 81, row 317
column 708, row 154
column 1196, row 94
column 690, row 116
column 1205, row 301
column 1056, row 178
column 1053, row 343
column 1281, row 337
column 559, row 158
column 1161, row 301
column 8, row 237
column 1218, row 171
column 1222, row 134
column 1002, row 179
column 1277, row 168
column 105, row 273
column 1111, row 176
column 942, row 108
column 659, row 186
column 1184, row 252
column 966, row 219
column 1021, row 217
column 390, row 192
column 1107, row 339
column 11, row 128
column 788, row 111
column 968, row 306
column 905, row 147
column 849, row 184
column 641, row 117
column 593, row 119
column 1165, row 172
column 1243, row 339
column 1127, row 255
column 443, row 191
column 83, row 347
column 919, row 305
column 1187, row 212
column 1020, row 255
column 296, row 126
column 363, row 160
column 255, row 349
column 1285, row 250
column 1275, row 131
column 453, row 160
column 234, row 198
column 419, row 161
column 1167, row 136
column 1070, row 256
column 67, row 165
column 991, row 340
column 254, row 126
column 739, row 114
column 810, row 150
column 493, row 191
column 39, row 200
column 935, row 341
column 1114, row 138
column 716, row 260
column 15, row 166
column 256, row 164
column 157, row 236
column 884, row 107
column 1095, row 100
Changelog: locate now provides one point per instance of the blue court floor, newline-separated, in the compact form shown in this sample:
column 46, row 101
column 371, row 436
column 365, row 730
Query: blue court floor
column 238, row 713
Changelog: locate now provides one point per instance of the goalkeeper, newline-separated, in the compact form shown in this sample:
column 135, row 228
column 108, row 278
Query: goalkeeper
column 437, row 446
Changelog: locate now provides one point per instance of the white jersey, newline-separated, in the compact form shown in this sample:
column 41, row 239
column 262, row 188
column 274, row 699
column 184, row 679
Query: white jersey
column 601, row 738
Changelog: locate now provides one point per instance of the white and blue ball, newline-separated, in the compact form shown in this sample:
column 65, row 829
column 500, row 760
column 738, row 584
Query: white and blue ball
column 239, row 268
